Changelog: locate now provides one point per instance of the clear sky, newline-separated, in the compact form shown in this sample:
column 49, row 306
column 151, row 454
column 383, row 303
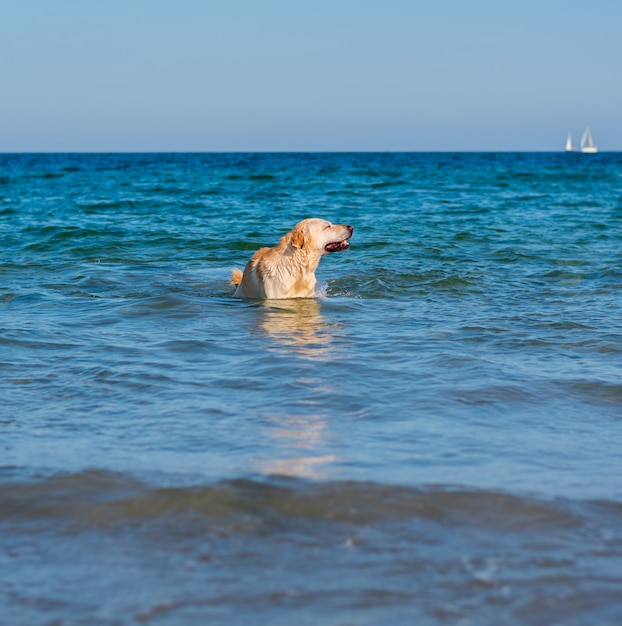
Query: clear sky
column 214, row 75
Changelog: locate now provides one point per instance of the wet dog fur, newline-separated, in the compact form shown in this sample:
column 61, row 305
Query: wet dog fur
column 288, row 269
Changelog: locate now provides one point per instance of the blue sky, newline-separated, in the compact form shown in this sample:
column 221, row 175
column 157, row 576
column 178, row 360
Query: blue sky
column 203, row 75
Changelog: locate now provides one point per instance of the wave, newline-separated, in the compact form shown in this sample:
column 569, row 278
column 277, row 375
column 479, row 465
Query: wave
column 270, row 551
column 106, row 499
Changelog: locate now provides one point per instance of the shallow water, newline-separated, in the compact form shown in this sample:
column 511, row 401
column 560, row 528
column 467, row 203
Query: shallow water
column 435, row 439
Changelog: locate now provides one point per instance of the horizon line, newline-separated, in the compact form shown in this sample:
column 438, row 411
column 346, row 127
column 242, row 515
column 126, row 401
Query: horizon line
column 465, row 151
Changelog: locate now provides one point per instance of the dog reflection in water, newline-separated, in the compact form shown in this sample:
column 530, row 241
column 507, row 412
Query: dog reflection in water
column 312, row 467
column 301, row 441
column 296, row 328
column 296, row 325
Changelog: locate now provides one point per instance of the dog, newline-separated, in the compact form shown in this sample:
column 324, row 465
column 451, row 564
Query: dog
column 288, row 269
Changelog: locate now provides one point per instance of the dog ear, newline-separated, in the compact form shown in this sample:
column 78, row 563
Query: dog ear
column 298, row 240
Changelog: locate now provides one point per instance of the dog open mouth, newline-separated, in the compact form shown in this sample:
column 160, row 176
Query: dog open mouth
column 337, row 246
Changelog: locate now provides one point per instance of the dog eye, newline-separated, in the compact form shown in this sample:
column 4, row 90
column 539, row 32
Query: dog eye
column 327, row 226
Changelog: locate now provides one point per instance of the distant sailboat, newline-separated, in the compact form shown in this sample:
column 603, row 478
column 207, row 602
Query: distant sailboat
column 587, row 143
column 569, row 147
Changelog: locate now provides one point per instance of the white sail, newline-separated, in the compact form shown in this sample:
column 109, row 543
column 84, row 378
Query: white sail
column 569, row 147
column 587, row 143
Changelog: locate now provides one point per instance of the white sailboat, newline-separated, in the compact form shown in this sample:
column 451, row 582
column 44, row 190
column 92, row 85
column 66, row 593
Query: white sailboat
column 587, row 143
column 569, row 147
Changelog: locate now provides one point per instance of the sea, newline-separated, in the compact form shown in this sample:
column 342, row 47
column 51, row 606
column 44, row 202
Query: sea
column 436, row 439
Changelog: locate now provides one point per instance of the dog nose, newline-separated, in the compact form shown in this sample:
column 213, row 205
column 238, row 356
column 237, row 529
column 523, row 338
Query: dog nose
column 350, row 228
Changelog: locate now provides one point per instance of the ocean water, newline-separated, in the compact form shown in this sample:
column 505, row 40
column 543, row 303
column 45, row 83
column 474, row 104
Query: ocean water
column 435, row 439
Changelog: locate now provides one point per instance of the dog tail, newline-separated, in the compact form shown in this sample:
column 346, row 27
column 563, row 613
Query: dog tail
column 236, row 276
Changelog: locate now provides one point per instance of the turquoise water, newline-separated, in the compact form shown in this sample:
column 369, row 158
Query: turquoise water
column 434, row 440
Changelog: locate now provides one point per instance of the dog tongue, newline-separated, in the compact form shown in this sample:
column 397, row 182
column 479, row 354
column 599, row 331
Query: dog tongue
column 337, row 246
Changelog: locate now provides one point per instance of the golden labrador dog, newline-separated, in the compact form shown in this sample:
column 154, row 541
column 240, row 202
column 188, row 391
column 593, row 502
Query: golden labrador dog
column 288, row 269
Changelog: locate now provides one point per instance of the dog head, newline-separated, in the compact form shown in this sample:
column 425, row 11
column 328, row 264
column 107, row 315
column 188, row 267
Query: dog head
column 318, row 236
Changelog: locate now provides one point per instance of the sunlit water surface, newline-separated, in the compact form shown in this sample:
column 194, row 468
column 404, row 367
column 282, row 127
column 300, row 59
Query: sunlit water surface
column 435, row 439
